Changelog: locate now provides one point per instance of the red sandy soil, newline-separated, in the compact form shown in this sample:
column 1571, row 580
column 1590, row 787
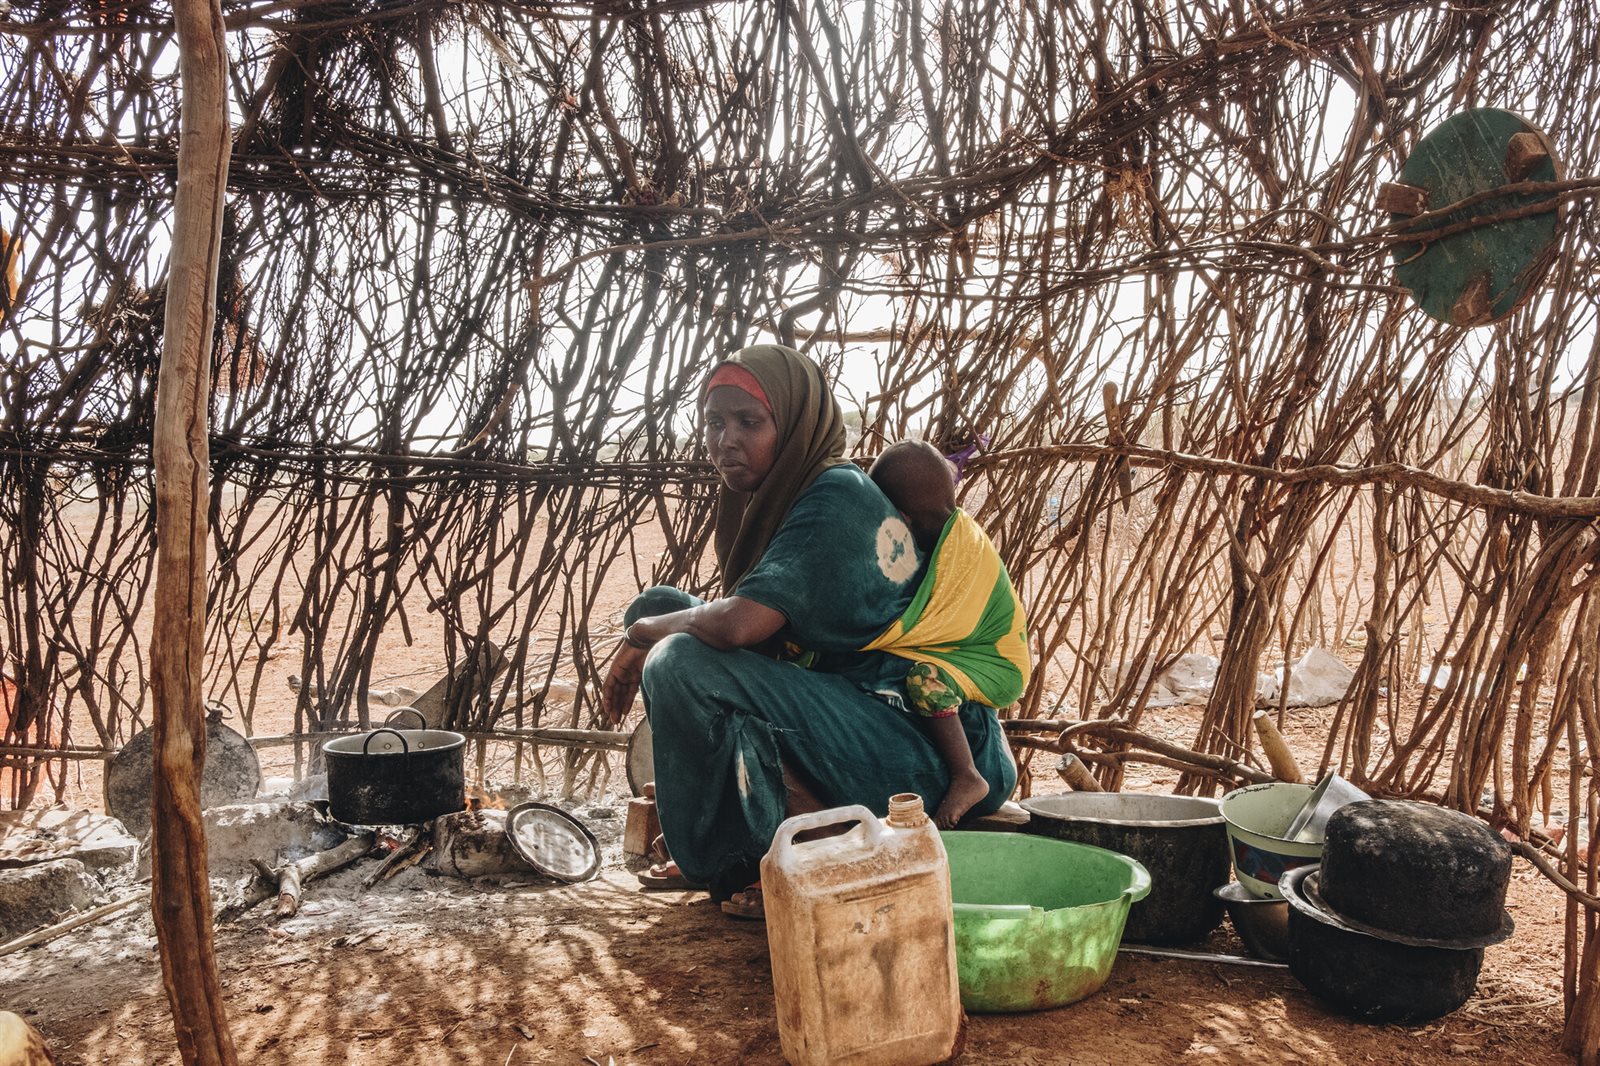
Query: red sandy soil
column 431, row 969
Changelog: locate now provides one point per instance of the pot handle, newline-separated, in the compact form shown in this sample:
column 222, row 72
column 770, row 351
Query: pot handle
column 405, row 748
column 422, row 723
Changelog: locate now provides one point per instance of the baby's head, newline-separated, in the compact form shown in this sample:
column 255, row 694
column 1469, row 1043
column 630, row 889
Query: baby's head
column 921, row 483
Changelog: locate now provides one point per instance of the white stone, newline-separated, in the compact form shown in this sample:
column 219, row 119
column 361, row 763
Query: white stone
column 43, row 894
column 40, row 834
column 275, row 833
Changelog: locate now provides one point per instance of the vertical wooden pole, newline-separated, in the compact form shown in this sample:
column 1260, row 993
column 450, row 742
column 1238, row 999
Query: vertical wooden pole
column 1273, row 746
column 180, row 890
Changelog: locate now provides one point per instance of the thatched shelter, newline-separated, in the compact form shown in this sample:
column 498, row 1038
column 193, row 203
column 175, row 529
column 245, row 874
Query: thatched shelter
column 472, row 258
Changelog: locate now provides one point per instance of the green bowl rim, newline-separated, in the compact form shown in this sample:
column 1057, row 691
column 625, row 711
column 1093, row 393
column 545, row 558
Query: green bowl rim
column 1138, row 884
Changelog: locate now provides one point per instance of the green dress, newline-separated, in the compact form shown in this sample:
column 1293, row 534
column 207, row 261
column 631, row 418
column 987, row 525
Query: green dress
column 840, row 568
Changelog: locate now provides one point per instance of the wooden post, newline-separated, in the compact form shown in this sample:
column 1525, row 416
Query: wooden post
column 643, row 824
column 1279, row 757
column 180, row 888
column 1074, row 773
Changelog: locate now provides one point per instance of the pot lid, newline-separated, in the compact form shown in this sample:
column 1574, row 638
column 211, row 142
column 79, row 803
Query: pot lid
column 641, row 762
column 553, row 842
column 1300, row 888
column 231, row 773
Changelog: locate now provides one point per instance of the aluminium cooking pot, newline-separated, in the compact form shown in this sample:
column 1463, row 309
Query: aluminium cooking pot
column 395, row 776
column 1181, row 841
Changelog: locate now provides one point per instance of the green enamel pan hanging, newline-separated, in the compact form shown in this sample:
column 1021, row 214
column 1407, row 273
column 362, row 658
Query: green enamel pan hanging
column 1475, row 274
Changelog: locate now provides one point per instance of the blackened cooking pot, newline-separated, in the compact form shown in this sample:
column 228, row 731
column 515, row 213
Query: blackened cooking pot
column 395, row 776
column 1181, row 840
column 1367, row 977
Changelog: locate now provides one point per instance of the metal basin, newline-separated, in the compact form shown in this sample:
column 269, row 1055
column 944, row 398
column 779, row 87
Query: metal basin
column 1258, row 819
column 1181, row 840
column 1263, row 924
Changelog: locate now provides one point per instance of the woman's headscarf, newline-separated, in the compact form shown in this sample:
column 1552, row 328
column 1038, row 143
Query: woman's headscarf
column 810, row 440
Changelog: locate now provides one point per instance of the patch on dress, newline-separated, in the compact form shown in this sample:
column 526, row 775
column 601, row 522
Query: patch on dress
column 897, row 557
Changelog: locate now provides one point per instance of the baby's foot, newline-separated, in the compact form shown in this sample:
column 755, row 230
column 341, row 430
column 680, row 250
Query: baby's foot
column 966, row 791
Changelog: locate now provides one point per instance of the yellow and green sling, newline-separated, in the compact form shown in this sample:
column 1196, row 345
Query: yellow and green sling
column 964, row 631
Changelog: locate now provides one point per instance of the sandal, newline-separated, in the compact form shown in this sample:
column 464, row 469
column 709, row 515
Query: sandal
column 746, row 904
column 666, row 877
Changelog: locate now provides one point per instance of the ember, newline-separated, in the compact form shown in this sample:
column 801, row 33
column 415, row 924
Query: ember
column 480, row 800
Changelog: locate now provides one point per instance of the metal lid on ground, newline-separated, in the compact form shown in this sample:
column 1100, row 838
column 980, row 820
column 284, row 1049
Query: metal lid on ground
column 553, row 842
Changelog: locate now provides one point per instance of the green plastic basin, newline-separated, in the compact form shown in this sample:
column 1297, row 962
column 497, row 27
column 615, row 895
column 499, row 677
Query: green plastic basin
column 1037, row 920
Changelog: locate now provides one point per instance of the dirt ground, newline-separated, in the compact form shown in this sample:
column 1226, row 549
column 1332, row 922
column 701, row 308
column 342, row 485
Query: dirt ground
column 460, row 973
column 432, row 969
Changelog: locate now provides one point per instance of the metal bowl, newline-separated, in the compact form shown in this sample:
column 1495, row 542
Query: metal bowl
column 1263, row 924
column 1331, row 793
column 1257, row 817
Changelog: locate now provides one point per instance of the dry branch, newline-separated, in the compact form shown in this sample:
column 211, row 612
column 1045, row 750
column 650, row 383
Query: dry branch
column 285, row 881
column 77, row 921
column 1273, row 746
column 1118, row 739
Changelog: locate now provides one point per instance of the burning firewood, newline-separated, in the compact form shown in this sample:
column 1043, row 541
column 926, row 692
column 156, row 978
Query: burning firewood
column 405, row 853
column 286, row 881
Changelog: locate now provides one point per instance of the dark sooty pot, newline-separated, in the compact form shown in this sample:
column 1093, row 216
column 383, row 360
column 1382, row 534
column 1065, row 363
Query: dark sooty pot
column 1415, row 869
column 1371, row 979
column 1181, row 840
column 395, row 776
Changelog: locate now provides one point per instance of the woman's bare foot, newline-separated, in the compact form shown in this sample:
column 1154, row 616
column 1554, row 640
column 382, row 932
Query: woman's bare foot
column 967, row 790
column 746, row 904
column 666, row 875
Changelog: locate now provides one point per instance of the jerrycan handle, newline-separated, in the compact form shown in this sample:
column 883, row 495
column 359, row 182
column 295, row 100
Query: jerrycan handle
column 800, row 823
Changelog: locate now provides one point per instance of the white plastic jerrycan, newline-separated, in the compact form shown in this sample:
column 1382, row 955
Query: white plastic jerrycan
column 862, row 937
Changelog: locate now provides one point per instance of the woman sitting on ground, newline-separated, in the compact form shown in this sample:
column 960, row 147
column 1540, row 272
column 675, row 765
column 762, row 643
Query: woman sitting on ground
column 760, row 704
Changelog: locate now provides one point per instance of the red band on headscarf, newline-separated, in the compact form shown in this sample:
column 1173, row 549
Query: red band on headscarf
column 737, row 377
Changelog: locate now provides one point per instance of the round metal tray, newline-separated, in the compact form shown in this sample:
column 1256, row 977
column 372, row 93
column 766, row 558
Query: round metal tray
column 553, row 842
column 641, row 762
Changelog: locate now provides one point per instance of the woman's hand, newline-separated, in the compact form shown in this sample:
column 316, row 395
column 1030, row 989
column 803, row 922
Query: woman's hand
column 622, row 683
column 732, row 622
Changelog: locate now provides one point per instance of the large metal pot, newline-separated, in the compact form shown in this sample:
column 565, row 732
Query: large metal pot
column 395, row 776
column 1368, row 977
column 1180, row 840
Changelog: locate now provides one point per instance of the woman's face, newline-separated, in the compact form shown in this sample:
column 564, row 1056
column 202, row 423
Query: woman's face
column 741, row 437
